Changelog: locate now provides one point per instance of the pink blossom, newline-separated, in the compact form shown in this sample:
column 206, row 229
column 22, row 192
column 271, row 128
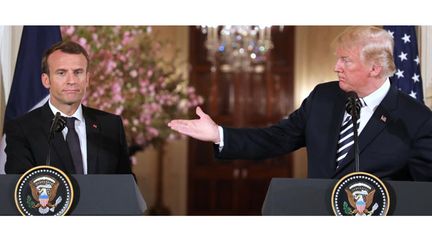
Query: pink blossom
column 126, row 38
column 117, row 98
column 70, row 30
column 133, row 73
column 171, row 137
column 82, row 41
column 153, row 131
column 94, row 37
column 110, row 65
column 122, row 58
column 133, row 90
column 149, row 73
column 135, row 82
column 143, row 90
column 183, row 105
column 151, row 88
column 116, row 88
column 118, row 110
column 134, row 160
column 190, row 90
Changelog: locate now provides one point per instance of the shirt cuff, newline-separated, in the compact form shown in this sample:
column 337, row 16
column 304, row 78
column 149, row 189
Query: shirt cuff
column 221, row 138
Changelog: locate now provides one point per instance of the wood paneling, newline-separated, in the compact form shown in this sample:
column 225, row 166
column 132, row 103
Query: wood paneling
column 238, row 99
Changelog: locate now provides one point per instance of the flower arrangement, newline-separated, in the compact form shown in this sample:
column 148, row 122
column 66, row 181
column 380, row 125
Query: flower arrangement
column 131, row 76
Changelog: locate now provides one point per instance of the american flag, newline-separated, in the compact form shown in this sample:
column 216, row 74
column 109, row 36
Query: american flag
column 407, row 77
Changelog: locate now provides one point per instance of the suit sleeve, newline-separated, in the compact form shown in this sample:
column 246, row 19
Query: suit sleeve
column 19, row 156
column 124, row 165
column 261, row 143
column 420, row 162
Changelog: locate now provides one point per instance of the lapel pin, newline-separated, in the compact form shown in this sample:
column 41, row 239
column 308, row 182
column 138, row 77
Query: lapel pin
column 94, row 125
column 383, row 118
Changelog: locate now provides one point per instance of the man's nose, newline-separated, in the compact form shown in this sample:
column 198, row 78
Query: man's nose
column 338, row 66
column 71, row 78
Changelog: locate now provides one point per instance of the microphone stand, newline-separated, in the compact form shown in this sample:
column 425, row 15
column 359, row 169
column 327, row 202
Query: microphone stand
column 355, row 118
column 57, row 125
column 354, row 111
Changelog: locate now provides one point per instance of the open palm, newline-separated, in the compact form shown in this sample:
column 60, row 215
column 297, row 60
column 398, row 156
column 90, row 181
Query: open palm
column 204, row 128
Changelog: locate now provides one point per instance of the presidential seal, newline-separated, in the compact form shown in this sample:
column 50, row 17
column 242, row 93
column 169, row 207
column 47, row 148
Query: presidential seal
column 360, row 194
column 44, row 191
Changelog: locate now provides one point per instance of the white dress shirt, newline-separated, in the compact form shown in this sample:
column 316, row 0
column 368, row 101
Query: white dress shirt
column 80, row 128
column 372, row 101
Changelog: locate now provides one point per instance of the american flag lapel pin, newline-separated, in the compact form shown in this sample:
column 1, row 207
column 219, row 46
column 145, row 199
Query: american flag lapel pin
column 383, row 118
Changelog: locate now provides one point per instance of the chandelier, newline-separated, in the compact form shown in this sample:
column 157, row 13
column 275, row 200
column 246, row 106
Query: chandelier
column 238, row 48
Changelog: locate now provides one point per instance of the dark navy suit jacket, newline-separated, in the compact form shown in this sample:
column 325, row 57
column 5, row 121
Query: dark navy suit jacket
column 395, row 144
column 27, row 143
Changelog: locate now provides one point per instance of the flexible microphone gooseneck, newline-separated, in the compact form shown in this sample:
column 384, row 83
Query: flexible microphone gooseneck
column 353, row 108
column 57, row 125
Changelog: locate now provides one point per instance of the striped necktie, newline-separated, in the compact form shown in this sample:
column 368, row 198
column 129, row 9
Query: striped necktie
column 346, row 137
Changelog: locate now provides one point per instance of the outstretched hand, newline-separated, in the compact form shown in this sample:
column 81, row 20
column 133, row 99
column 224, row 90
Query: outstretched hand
column 204, row 128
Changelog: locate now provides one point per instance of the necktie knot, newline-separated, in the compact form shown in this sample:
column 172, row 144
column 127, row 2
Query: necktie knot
column 70, row 122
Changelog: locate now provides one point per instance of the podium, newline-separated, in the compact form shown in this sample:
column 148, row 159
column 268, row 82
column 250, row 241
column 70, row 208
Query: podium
column 312, row 197
column 95, row 195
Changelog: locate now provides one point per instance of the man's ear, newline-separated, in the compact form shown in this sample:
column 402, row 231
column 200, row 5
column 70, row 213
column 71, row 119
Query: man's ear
column 376, row 70
column 45, row 80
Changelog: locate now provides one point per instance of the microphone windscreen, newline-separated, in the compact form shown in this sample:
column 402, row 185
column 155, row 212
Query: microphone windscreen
column 61, row 123
column 353, row 105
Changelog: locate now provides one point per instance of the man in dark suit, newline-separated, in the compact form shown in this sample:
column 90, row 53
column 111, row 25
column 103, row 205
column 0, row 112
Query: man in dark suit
column 93, row 142
column 395, row 131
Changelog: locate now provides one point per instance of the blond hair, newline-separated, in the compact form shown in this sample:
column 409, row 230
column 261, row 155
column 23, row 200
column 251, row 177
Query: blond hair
column 375, row 46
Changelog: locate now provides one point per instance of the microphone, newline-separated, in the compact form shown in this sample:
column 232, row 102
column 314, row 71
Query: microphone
column 57, row 125
column 353, row 108
column 353, row 105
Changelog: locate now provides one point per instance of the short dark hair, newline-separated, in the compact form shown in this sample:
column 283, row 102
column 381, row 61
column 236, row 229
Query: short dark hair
column 69, row 47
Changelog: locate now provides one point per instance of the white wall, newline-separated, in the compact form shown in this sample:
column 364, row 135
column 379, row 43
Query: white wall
column 314, row 62
column 175, row 161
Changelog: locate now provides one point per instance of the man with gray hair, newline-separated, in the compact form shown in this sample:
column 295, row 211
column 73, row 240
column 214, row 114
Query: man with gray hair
column 395, row 131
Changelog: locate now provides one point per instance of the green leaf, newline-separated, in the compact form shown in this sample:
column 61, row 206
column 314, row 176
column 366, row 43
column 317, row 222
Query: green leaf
column 30, row 202
column 347, row 209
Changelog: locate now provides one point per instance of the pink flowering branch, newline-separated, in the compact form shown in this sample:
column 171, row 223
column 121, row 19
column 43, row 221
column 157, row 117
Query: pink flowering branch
column 130, row 77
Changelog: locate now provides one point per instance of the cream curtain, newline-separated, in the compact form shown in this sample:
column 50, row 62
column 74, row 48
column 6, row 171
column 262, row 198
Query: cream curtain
column 425, row 46
column 10, row 37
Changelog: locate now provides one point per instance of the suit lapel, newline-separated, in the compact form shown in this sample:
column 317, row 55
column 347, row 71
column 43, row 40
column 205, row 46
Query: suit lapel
column 93, row 140
column 376, row 124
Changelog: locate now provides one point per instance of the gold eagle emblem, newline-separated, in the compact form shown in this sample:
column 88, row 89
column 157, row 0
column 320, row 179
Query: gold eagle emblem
column 361, row 202
column 44, row 196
